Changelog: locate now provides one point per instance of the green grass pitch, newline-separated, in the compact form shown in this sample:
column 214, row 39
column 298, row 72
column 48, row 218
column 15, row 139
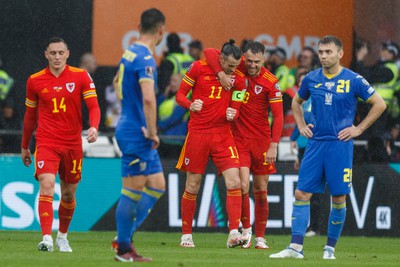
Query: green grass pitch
column 19, row 248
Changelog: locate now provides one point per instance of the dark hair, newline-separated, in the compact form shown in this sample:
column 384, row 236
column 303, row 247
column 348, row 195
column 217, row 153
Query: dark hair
column 53, row 40
column 330, row 39
column 174, row 43
column 150, row 20
column 254, row 46
column 314, row 56
column 230, row 49
column 196, row 44
column 280, row 52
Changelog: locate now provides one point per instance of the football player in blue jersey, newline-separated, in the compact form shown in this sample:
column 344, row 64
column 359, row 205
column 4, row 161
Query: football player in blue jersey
column 143, row 181
column 328, row 158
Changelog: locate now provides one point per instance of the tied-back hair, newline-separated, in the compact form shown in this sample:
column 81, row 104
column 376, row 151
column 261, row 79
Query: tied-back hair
column 230, row 49
column 56, row 39
column 150, row 20
column 255, row 47
column 330, row 39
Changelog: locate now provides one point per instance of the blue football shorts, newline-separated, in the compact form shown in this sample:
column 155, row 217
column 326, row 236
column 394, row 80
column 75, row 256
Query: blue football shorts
column 326, row 163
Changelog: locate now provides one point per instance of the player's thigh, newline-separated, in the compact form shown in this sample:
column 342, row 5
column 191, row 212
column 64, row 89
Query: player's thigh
column 156, row 180
column 71, row 165
column 258, row 153
column 311, row 173
column 243, row 151
column 338, row 167
column 224, row 153
column 47, row 160
column 195, row 153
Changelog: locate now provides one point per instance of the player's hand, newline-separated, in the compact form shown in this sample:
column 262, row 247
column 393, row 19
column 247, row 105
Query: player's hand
column 293, row 147
column 349, row 133
column 26, row 157
column 225, row 80
column 91, row 135
column 153, row 137
column 272, row 152
column 230, row 114
column 196, row 105
column 306, row 131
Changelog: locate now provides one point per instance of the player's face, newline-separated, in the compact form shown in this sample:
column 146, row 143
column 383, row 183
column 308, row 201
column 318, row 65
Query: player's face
column 253, row 62
column 229, row 64
column 329, row 55
column 57, row 55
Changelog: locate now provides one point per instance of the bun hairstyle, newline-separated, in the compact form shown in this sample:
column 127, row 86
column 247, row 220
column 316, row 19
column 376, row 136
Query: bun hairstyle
column 231, row 49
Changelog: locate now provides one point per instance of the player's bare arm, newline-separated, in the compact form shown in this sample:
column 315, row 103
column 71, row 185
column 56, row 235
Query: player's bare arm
column 150, row 112
column 304, row 129
column 378, row 107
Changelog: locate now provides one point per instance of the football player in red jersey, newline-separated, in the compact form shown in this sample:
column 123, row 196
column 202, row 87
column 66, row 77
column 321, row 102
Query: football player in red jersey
column 256, row 143
column 209, row 135
column 53, row 103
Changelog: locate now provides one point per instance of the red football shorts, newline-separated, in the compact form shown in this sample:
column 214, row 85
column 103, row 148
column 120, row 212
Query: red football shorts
column 67, row 162
column 252, row 154
column 199, row 147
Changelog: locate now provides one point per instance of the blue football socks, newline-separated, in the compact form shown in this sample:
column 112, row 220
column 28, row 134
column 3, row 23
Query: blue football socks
column 125, row 215
column 300, row 218
column 336, row 222
column 145, row 205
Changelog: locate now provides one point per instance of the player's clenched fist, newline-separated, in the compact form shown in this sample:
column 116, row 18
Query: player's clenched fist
column 196, row 105
column 230, row 114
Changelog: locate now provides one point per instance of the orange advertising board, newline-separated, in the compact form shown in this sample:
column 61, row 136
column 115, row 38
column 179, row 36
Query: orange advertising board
column 289, row 24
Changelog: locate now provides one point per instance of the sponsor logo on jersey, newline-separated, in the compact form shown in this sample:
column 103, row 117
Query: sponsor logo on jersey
column 257, row 89
column 187, row 161
column 45, row 91
column 317, row 85
column 70, row 87
column 207, row 78
column 40, row 164
column 328, row 99
column 148, row 57
column 329, row 85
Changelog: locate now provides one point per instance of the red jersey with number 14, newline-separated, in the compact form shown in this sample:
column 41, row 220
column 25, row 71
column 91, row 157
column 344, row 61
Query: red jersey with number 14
column 58, row 101
column 201, row 79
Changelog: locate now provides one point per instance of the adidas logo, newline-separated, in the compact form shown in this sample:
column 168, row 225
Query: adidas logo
column 45, row 91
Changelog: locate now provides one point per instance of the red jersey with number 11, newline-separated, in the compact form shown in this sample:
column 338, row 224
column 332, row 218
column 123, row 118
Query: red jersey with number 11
column 201, row 79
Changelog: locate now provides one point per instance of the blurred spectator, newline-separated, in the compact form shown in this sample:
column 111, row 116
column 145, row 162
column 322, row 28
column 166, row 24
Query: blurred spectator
column 10, row 120
column 243, row 45
column 6, row 84
column 382, row 76
column 172, row 120
column 175, row 61
column 113, row 110
column 195, row 49
column 307, row 59
column 289, row 122
column 88, row 62
column 390, row 138
column 276, row 64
